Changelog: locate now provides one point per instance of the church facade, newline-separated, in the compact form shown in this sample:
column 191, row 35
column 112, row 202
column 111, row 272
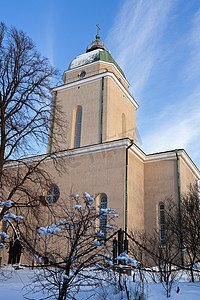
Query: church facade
column 101, row 152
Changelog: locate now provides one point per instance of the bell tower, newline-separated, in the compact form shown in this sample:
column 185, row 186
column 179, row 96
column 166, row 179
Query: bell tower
column 95, row 99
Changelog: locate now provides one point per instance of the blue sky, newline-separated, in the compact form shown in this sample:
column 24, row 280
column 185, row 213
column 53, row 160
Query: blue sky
column 155, row 42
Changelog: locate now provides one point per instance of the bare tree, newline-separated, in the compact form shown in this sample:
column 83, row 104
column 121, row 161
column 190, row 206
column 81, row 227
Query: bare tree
column 160, row 252
column 25, row 116
column 74, row 249
column 190, row 227
column 181, row 236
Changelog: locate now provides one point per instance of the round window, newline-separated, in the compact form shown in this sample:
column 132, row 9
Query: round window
column 82, row 74
column 52, row 194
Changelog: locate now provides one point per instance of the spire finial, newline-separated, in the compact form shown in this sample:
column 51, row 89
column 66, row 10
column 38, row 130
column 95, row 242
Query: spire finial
column 98, row 28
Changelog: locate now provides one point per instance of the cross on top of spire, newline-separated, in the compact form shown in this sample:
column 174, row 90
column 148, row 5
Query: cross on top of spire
column 97, row 43
column 98, row 28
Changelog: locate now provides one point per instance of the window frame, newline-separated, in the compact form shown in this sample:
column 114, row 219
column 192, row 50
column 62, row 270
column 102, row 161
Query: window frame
column 78, row 127
column 103, row 220
column 162, row 230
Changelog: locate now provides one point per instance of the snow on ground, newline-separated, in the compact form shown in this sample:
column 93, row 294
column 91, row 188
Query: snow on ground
column 13, row 285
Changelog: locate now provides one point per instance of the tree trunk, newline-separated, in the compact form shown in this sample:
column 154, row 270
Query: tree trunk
column 3, row 136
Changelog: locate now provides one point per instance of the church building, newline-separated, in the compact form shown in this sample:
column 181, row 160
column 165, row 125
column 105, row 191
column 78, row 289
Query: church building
column 101, row 149
column 101, row 152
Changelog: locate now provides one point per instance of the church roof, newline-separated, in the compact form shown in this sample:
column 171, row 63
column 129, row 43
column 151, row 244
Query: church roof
column 92, row 56
column 96, row 51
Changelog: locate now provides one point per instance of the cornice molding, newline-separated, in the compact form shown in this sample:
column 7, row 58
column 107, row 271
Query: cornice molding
column 138, row 152
column 96, row 63
column 187, row 160
column 95, row 78
column 117, row 144
column 160, row 156
column 107, row 146
column 169, row 155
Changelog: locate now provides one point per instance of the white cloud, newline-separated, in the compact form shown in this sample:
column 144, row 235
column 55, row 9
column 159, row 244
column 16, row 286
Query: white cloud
column 193, row 66
column 136, row 42
column 135, row 36
column 179, row 127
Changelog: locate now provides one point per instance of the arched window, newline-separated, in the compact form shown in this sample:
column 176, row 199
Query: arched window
column 103, row 220
column 123, row 125
column 162, row 224
column 77, row 136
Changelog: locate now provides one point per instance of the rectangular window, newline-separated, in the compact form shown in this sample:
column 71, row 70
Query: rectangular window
column 162, row 224
column 103, row 220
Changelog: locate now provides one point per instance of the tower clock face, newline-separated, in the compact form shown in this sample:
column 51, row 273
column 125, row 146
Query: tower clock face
column 83, row 73
column 52, row 194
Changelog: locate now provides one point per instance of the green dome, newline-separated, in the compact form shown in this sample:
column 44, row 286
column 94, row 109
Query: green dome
column 92, row 56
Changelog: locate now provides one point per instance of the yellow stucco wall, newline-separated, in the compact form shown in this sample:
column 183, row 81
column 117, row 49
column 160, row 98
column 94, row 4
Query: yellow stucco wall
column 160, row 183
column 135, row 192
column 94, row 173
column 117, row 103
column 87, row 96
column 186, row 176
